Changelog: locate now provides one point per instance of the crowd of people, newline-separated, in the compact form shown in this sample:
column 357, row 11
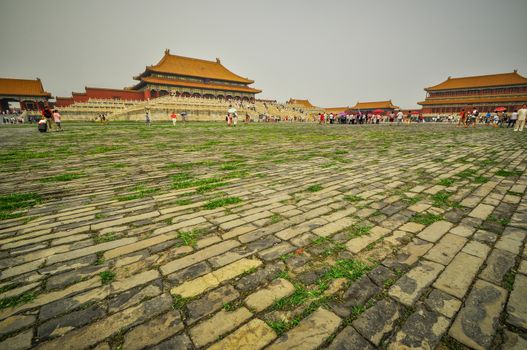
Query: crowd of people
column 50, row 120
column 397, row 117
column 497, row 119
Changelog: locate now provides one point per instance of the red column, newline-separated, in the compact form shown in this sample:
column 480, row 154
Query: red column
column 147, row 94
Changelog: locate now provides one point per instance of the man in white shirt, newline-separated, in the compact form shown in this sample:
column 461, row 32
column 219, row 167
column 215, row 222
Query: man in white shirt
column 399, row 117
column 522, row 115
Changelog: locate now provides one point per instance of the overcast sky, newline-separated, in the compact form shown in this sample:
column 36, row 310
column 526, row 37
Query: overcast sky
column 334, row 53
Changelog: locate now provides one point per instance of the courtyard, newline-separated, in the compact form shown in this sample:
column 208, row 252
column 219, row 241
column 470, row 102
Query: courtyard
column 277, row 236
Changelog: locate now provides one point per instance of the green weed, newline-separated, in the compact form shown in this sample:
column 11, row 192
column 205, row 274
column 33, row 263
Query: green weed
column 221, row 202
column 107, row 277
column 425, row 218
column 314, row 188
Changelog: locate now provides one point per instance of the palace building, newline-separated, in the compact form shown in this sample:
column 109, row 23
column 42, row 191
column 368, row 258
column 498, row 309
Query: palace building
column 185, row 76
column 484, row 92
column 303, row 103
column 368, row 107
column 29, row 93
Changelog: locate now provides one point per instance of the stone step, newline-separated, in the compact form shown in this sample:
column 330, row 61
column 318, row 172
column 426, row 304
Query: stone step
column 310, row 333
column 475, row 325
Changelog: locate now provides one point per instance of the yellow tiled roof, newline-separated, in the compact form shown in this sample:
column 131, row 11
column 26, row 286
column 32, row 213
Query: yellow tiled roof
column 375, row 105
column 194, row 67
column 505, row 79
column 22, row 87
column 304, row 103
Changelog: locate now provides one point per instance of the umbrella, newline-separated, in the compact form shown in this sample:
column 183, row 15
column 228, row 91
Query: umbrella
column 378, row 111
column 183, row 113
column 500, row 109
column 341, row 114
column 232, row 110
column 416, row 112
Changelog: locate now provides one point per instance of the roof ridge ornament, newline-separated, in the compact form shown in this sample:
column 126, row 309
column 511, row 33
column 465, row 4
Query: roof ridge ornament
column 515, row 71
column 167, row 51
column 218, row 60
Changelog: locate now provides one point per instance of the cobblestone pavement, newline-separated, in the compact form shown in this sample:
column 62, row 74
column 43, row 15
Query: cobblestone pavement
column 275, row 236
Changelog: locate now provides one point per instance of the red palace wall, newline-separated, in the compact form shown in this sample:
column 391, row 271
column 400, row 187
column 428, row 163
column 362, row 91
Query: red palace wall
column 110, row 94
column 64, row 101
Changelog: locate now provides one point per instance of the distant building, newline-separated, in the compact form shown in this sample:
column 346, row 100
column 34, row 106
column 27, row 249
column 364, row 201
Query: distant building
column 368, row 107
column 484, row 92
column 303, row 103
column 336, row 110
column 29, row 93
column 187, row 76
column 100, row 93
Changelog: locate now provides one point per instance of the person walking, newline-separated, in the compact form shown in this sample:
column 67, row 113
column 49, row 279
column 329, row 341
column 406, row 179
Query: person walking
column 56, row 119
column 400, row 117
column 522, row 115
column 173, row 116
column 46, row 113
column 462, row 117
column 43, row 124
column 512, row 119
column 148, row 117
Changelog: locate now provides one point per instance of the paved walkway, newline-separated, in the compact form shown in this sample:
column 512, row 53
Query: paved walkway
column 285, row 236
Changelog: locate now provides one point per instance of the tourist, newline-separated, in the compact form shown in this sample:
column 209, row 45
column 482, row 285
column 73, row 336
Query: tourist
column 462, row 118
column 321, row 121
column 487, row 118
column 234, row 119
column 512, row 119
column 43, row 124
column 56, row 119
column 400, row 116
column 229, row 119
column 474, row 117
column 496, row 120
column 522, row 115
column 173, row 116
column 148, row 118
column 392, row 118
column 46, row 113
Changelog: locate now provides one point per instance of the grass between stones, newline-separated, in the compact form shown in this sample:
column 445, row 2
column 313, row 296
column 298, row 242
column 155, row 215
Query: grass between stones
column 314, row 188
column 190, row 238
column 221, row 202
column 63, row 177
column 276, row 218
column 184, row 180
column 184, row 201
column 352, row 198
column 210, row 187
column 425, row 218
column 445, row 182
column 17, row 300
column 507, row 173
column 345, row 268
column 440, row 199
column 107, row 237
column 10, row 203
column 358, row 230
column 140, row 191
column 107, row 277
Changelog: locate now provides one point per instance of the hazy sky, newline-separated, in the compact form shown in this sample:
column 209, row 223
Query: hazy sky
column 334, row 53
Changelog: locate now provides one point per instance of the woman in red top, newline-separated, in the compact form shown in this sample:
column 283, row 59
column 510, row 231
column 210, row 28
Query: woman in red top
column 462, row 118
column 321, row 118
